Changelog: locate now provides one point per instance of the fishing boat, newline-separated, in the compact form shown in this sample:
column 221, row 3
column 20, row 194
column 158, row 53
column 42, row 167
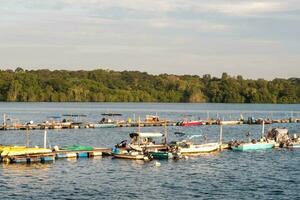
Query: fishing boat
column 171, row 153
column 192, row 123
column 7, row 151
column 161, row 155
column 130, row 154
column 231, row 122
column 147, row 141
column 187, row 148
column 263, row 144
column 252, row 146
column 141, row 144
column 104, row 125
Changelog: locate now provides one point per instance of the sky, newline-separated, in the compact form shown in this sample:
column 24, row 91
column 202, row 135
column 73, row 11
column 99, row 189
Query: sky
column 255, row 39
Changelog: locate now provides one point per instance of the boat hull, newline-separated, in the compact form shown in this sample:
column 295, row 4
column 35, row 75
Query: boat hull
column 129, row 157
column 104, row 125
column 200, row 148
column 161, row 155
column 192, row 123
column 251, row 146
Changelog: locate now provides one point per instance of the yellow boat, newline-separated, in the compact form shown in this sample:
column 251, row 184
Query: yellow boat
column 21, row 150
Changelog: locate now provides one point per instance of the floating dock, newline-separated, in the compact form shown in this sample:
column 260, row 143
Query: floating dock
column 127, row 124
column 55, row 155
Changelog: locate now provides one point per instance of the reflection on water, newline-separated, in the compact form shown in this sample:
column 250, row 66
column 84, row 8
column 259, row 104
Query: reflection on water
column 272, row 174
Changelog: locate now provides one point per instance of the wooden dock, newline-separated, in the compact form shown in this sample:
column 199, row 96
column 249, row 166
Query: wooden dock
column 63, row 125
column 55, row 155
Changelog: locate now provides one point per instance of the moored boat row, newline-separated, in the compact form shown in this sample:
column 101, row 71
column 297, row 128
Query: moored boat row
column 147, row 146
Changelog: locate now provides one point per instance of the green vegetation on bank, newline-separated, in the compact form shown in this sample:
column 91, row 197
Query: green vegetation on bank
column 132, row 86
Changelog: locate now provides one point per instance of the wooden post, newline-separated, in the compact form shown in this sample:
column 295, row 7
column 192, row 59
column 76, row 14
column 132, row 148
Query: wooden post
column 4, row 121
column 166, row 132
column 27, row 136
column 263, row 129
column 45, row 139
column 139, row 125
column 221, row 135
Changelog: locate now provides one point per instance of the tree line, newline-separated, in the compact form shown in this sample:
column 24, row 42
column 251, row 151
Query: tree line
column 133, row 86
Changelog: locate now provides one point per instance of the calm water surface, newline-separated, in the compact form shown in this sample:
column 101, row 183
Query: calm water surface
column 272, row 174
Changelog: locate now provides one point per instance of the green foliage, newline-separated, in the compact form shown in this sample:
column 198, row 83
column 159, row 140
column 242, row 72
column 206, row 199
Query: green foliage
column 133, row 86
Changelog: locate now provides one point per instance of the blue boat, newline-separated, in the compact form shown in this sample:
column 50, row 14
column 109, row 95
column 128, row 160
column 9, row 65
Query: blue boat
column 252, row 146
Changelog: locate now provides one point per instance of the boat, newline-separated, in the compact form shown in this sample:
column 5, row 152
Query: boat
column 7, row 151
column 188, row 148
column 170, row 153
column 263, row 144
column 192, row 123
column 104, row 125
column 146, row 141
column 161, row 155
column 231, row 122
column 130, row 154
column 252, row 146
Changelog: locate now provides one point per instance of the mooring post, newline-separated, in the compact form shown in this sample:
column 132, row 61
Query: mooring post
column 45, row 139
column 27, row 136
column 263, row 129
column 221, row 136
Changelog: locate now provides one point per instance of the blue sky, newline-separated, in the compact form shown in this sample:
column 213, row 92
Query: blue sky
column 256, row 39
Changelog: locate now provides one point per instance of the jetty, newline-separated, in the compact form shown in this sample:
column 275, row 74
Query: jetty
column 72, row 121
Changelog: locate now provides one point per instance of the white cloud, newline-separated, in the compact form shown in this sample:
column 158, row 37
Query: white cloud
column 248, row 8
column 164, row 35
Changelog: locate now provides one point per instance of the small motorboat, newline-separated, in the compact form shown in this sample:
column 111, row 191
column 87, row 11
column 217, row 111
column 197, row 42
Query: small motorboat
column 231, row 122
column 130, row 155
column 187, row 148
column 105, row 123
column 252, row 146
column 192, row 123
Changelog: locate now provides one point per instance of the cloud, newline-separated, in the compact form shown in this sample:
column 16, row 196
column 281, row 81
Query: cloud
column 245, row 8
column 161, row 34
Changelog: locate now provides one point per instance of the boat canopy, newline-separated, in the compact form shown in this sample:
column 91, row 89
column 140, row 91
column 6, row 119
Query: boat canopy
column 146, row 135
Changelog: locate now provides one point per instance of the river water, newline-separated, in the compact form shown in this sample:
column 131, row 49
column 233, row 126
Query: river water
column 272, row 174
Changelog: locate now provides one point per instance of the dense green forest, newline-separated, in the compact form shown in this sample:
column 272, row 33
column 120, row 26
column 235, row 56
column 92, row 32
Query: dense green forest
column 133, row 86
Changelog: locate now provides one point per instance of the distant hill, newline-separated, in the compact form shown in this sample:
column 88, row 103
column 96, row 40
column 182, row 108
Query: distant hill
column 133, row 86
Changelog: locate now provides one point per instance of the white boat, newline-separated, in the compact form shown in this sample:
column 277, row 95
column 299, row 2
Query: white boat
column 104, row 125
column 186, row 148
column 232, row 122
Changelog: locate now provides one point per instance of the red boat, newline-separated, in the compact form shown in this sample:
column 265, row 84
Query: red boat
column 192, row 123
